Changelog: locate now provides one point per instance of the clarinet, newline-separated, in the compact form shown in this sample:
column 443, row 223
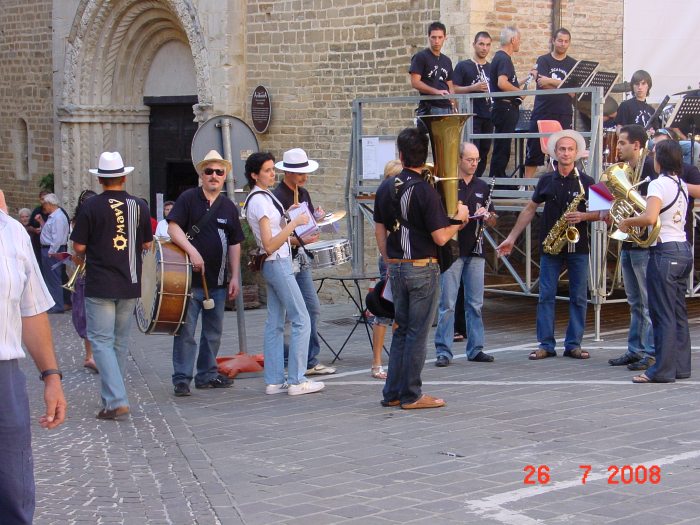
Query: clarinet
column 478, row 247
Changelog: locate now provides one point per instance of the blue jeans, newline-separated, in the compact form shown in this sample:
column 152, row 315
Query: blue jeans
column 313, row 306
column 185, row 345
column 669, row 267
column 471, row 272
column 640, row 341
column 16, row 464
column 284, row 299
column 52, row 278
column 550, row 268
column 108, row 326
column 414, row 289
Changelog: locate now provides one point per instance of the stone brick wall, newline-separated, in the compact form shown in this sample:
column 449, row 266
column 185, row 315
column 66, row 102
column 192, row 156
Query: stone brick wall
column 26, row 115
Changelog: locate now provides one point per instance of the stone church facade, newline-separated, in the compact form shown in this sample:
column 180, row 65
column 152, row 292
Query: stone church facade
column 84, row 76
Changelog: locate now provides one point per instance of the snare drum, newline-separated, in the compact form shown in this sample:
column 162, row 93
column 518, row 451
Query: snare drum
column 609, row 147
column 166, row 280
column 329, row 253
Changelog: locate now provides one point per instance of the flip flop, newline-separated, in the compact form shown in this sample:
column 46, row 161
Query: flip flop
column 642, row 378
column 424, row 401
column 92, row 367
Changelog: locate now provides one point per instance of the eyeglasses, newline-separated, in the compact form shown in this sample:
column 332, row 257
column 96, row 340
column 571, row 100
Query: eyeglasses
column 211, row 171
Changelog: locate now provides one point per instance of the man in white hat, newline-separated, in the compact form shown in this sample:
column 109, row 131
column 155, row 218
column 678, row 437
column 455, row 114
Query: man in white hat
column 296, row 166
column 110, row 233
column 557, row 190
column 213, row 245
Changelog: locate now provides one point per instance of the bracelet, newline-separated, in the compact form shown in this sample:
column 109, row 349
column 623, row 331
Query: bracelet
column 50, row 372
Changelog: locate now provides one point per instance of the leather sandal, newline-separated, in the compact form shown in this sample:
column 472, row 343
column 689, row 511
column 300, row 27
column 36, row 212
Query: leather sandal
column 424, row 401
column 540, row 353
column 392, row 403
column 577, row 353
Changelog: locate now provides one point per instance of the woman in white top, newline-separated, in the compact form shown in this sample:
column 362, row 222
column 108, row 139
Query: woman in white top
column 266, row 218
column 670, row 262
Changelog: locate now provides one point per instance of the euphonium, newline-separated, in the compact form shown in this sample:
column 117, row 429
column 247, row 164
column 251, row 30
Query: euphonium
column 562, row 232
column 445, row 132
column 70, row 284
column 628, row 203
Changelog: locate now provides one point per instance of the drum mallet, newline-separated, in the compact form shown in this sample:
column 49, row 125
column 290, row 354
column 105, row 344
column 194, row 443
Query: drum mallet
column 208, row 303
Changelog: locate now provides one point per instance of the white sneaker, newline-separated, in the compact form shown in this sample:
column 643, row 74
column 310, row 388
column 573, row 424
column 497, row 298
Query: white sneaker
column 276, row 389
column 307, row 387
column 320, row 370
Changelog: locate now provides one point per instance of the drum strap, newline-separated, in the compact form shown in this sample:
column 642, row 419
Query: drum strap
column 196, row 228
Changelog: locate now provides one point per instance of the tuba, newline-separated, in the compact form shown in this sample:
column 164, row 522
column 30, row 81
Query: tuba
column 621, row 180
column 445, row 132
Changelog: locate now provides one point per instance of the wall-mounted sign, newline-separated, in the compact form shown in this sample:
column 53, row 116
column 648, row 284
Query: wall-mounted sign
column 261, row 109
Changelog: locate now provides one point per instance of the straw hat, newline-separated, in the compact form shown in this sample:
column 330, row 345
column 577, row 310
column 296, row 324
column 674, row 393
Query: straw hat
column 111, row 165
column 212, row 156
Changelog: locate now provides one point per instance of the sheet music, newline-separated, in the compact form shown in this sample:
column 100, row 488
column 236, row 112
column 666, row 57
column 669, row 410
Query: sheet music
column 303, row 229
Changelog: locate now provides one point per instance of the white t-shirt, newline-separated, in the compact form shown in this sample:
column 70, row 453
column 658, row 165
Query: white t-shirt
column 260, row 206
column 22, row 289
column 673, row 219
column 162, row 229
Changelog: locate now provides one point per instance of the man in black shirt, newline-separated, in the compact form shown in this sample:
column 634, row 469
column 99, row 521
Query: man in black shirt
column 636, row 110
column 469, row 268
column 504, row 111
column 410, row 220
column 297, row 166
column 549, row 72
column 431, row 73
column 557, row 190
column 213, row 249
column 472, row 76
column 110, row 233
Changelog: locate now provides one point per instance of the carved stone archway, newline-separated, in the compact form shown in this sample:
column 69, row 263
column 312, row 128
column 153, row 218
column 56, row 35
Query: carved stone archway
column 109, row 51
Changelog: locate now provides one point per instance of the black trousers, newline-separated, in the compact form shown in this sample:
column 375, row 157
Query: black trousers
column 504, row 117
column 482, row 125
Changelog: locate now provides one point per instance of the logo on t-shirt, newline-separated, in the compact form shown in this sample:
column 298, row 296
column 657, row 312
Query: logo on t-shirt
column 119, row 240
column 438, row 72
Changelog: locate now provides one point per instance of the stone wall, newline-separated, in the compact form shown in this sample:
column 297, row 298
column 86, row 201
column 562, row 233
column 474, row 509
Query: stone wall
column 26, row 113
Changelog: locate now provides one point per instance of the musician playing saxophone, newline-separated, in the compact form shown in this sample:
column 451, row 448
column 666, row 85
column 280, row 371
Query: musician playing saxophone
column 473, row 76
column 557, row 190
column 469, row 268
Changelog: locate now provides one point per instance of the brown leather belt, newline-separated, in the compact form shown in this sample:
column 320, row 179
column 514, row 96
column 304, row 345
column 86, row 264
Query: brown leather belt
column 414, row 262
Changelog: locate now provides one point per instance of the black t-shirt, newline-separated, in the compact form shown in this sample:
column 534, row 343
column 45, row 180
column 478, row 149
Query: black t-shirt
column 215, row 237
column 549, row 66
column 424, row 214
column 502, row 64
column 113, row 225
column 285, row 195
column 434, row 71
column 633, row 111
column 473, row 195
column 467, row 74
column 557, row 192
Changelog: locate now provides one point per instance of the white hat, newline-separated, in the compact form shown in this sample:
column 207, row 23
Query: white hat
column 296, row 161
column 111, row 165
column 212, row 156
column 566, row 133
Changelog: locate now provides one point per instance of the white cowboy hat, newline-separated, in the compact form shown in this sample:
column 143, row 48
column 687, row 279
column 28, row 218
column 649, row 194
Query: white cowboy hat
column 111, row 165
column 566, row 133
column 212, row 156
column 296, row 161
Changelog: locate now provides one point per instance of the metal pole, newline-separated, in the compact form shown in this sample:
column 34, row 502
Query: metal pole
column 225, row 126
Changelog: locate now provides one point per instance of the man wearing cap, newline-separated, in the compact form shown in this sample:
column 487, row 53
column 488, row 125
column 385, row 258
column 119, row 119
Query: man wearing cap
column 53, row 238
column 206, row 225
column 296, row 166
column 110, row 233
column 557, row 190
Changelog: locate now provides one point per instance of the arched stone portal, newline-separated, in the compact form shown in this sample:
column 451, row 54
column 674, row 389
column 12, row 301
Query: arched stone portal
column 108, row 55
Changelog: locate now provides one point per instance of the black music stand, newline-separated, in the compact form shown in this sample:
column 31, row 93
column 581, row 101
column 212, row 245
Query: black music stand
column 686, row 115
column 579, row 75
column 522, row 126
column 604, row 79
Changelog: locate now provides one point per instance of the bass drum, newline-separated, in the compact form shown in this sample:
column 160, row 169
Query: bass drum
column 166, row 281
column 329, row 253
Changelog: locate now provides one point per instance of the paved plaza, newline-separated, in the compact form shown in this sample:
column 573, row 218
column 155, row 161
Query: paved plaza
column 507, row 449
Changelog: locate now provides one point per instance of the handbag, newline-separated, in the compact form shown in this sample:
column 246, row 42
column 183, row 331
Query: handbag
column 256, row 260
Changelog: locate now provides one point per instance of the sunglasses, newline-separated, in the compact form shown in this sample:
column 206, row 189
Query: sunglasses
column 212, row 171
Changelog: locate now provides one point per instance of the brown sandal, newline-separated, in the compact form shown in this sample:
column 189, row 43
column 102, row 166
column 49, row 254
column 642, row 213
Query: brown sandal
column 540, row 353
column 577, row 353
column 424, row 401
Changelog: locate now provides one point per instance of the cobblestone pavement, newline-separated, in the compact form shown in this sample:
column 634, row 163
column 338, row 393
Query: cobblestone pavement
column 238, row 456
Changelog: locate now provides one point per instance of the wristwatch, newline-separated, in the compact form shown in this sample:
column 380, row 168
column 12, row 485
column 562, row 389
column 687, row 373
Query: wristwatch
column 50, row 372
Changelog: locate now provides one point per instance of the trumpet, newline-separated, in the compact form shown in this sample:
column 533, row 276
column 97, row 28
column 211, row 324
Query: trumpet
column 482, row 78
column 70, row 284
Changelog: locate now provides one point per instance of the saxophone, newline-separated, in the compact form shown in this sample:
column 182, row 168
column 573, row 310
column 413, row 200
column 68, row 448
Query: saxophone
column 562, row 232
